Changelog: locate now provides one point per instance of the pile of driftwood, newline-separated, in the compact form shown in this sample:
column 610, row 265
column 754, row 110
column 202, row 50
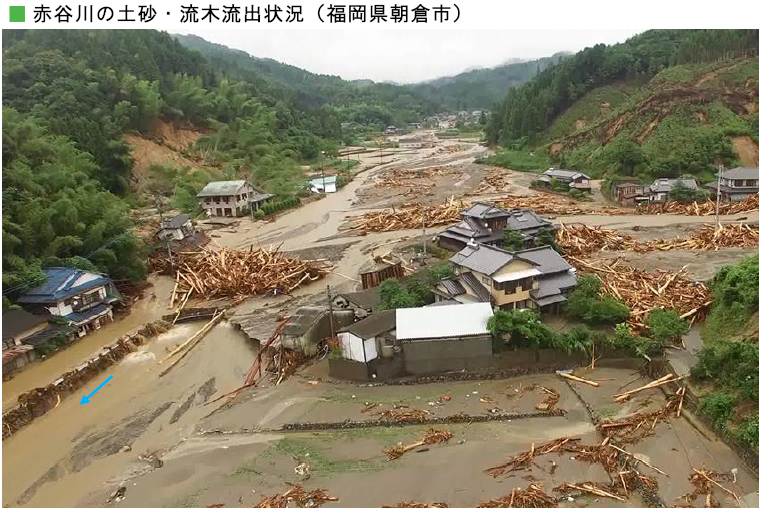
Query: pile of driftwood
column 432, row 436
column 416, row 504
column 524, row 460
column 580, row 240
column 531, row 497
column 297, row 496
column 553, row 204
column 704, row 482
column 410, row 217
column 236, row 274
column 708, row 207
column 643, row 291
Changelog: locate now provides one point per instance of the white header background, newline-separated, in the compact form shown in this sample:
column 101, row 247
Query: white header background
column 474, row 14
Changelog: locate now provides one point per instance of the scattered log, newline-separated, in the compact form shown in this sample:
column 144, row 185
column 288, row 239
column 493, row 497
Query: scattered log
column 432, row 436
column 191, row 342
column 578, row 379
column 623, row 397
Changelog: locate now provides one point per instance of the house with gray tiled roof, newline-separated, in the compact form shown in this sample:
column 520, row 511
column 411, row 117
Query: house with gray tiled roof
column 485, row 223
column 84, row 299
column 537, row 278
column 737, row 184
column 575, row 179
column 231, row 198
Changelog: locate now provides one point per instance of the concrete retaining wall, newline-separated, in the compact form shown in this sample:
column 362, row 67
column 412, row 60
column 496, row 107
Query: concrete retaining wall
column 436, row 356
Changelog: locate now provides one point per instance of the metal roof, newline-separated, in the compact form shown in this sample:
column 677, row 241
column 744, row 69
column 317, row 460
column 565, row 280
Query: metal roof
column 260, row 196
column 60, row 285
column 16, row 321
column 373, row 325
column 222, row 188
column 443, row 322
column 12, row 353
column 302, row 319
column 329, row 180
column 519, row 274
column 742, row 173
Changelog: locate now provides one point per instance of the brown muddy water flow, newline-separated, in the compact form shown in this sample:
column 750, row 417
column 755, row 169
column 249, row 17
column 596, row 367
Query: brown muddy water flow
column 44, row 371
column 64, row 455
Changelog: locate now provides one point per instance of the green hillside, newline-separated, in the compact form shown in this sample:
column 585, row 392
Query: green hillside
column 664, row 103
column 482, row 88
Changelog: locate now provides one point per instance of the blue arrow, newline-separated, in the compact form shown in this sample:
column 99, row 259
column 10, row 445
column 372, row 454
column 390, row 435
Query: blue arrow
column 86, row 398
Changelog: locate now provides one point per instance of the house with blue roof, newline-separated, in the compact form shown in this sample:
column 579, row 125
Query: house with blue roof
column 82, row 297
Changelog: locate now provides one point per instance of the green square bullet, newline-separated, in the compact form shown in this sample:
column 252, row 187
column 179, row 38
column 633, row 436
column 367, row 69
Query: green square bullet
column 16, row 14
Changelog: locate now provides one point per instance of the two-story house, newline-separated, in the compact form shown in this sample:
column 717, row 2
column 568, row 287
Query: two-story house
column 575, row 179
column 659, row 190
column 485, row 223
column 83, row 298
column 737, row 184
column 231, row 198
column 537, row 278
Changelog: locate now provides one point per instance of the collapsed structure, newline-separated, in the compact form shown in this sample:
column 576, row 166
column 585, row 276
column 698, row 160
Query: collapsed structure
column 485, row 223
column 537, row 278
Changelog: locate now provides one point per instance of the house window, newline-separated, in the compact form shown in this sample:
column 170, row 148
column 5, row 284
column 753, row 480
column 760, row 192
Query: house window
column 751, row 183
column 225, row 199
column 90, row 298
column 8, row 343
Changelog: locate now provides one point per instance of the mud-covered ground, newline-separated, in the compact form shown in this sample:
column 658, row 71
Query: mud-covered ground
column 146, row 433
column 239, row 454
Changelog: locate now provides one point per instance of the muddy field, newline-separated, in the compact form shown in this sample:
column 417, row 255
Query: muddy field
column 240, row 454
column 160, row 439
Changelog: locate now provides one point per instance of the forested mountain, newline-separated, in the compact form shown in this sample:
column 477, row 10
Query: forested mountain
column 663, row 103
column 363, row 101
column 482, row 88
column 69, row 97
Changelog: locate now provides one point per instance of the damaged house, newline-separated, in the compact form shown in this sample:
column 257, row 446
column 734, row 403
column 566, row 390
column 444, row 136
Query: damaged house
column 574, row 179
column 176, row 228
column 310, row 325
column 363, row 303
column 485, row 223
column 537, row 278
column 85, row 299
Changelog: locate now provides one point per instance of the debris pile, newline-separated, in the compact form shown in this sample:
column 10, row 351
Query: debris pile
column 410, row 217
column 580, row 240
column 237, row 274
column 411, row 179
column 553, row 204
column 589, row 488
column 643, row 291
column 550, row 400
column 704, row 482
column 531, row 497
column 432, row 436
column 709, row 207
column 416, row 504
column 524, row 460
column 297, row 496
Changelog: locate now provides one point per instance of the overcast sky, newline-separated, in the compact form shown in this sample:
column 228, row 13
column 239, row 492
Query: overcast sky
column 406, row 55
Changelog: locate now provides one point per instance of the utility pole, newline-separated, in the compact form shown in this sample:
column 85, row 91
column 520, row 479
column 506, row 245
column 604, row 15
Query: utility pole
column 330, row 310
column 161, row 220
column 717, row 206
column 423, row 228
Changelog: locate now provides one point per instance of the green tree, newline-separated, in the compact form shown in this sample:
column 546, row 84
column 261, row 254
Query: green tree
column 393, row 296
column 665, row 326
column 522, row 327
column 512, row 240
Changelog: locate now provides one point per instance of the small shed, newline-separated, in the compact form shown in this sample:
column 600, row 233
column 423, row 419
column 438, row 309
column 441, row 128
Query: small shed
column 379, row 272
column 369, row 338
